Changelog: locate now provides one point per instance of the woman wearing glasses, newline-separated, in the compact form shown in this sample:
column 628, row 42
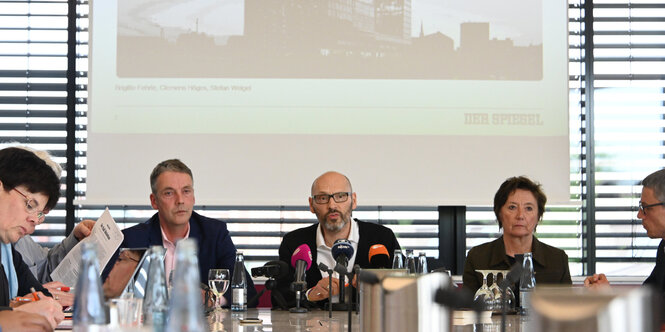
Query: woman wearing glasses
column 519, row 205
column 28, row 190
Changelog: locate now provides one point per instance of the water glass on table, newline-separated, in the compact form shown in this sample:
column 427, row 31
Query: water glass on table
column 218, row 281
column 128, row 312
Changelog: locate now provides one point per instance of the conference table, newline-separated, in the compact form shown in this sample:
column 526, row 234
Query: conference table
column 318, row 320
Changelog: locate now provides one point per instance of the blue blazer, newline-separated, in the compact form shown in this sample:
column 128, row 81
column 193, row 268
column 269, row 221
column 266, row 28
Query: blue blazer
column 216, row 249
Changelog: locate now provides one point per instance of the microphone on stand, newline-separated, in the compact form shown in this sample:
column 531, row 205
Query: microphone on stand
column 342, row 251
column 509, row 279
column 379, row 257
column 368, row 277
column 325, row 268
column 512, row 277
column 301, row 260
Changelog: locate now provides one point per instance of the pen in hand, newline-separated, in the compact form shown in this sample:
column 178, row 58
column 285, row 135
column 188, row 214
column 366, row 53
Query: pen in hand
column 34, row 293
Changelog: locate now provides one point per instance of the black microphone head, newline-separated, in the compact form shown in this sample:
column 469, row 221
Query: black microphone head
column 341, row 269
column 512, row 277
column 456, row 299
column 323, row 267
column 368, row 277
column 342, row 247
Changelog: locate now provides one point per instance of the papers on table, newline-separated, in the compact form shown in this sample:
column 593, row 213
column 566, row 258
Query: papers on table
column 107, row 237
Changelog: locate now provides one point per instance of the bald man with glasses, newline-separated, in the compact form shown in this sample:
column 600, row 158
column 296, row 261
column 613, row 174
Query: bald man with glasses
column 332, row 200
column 652, row 213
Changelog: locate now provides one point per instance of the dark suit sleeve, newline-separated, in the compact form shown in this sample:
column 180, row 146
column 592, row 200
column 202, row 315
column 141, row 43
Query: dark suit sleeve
column 26, row 279
column 657, row 276
column 566, row 271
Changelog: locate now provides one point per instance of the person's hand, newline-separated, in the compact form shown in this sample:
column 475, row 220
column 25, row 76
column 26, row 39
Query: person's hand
column 65, row 299
column 19, row 321
column 47, row 307
column 83, row 229
column 596, row 281
column 321, row 292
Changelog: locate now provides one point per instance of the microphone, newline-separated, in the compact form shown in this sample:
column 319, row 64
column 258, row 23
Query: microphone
column 368, row 277
column 379, row 257
column 342, row 251
column 272, row 269
column 301, row 260
column 456, row 299
column 512, row 277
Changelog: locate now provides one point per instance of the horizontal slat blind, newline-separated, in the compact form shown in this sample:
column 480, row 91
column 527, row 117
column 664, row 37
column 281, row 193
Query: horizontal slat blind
column 33, row 64
column 629, row 66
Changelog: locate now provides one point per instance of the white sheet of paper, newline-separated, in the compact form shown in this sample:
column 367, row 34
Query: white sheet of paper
column 106, row 235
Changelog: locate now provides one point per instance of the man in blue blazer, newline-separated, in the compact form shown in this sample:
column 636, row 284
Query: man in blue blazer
column 172, row 196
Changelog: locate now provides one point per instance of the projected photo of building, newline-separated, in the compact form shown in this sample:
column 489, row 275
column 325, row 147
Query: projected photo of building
column 352, row 39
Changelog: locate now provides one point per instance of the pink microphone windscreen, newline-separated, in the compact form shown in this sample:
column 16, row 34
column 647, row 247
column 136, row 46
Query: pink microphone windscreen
column 302, row 253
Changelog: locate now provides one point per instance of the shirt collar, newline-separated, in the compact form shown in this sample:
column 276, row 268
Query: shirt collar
column 165, row 240
column 354, row 235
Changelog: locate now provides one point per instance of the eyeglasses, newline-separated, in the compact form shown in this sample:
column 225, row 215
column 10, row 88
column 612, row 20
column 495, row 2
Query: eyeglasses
column 325, row 198
column 31, row 206
column 644, row 208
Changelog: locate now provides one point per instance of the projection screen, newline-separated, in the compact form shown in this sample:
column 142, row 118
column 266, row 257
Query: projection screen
column 418, row 102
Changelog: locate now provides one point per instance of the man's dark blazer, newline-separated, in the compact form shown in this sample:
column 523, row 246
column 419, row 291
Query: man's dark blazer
column 216, row 249
column 369, row 234
column 657, row 277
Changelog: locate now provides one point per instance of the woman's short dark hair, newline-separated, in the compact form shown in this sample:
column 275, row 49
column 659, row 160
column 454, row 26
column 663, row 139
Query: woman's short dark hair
column 19, row 167
column 518, row 182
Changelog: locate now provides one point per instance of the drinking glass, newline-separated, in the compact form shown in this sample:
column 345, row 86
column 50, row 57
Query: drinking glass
column 218, row 281
column 494, row 288
column 483, row 295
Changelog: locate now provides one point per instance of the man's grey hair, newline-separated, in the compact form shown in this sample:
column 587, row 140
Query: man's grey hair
column 171, row 165
column 656, row 182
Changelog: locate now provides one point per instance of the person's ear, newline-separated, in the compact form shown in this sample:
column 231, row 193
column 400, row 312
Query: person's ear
column 153, row 201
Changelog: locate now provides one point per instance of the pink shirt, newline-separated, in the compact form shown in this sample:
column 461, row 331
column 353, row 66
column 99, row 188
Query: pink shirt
column 169, row 258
